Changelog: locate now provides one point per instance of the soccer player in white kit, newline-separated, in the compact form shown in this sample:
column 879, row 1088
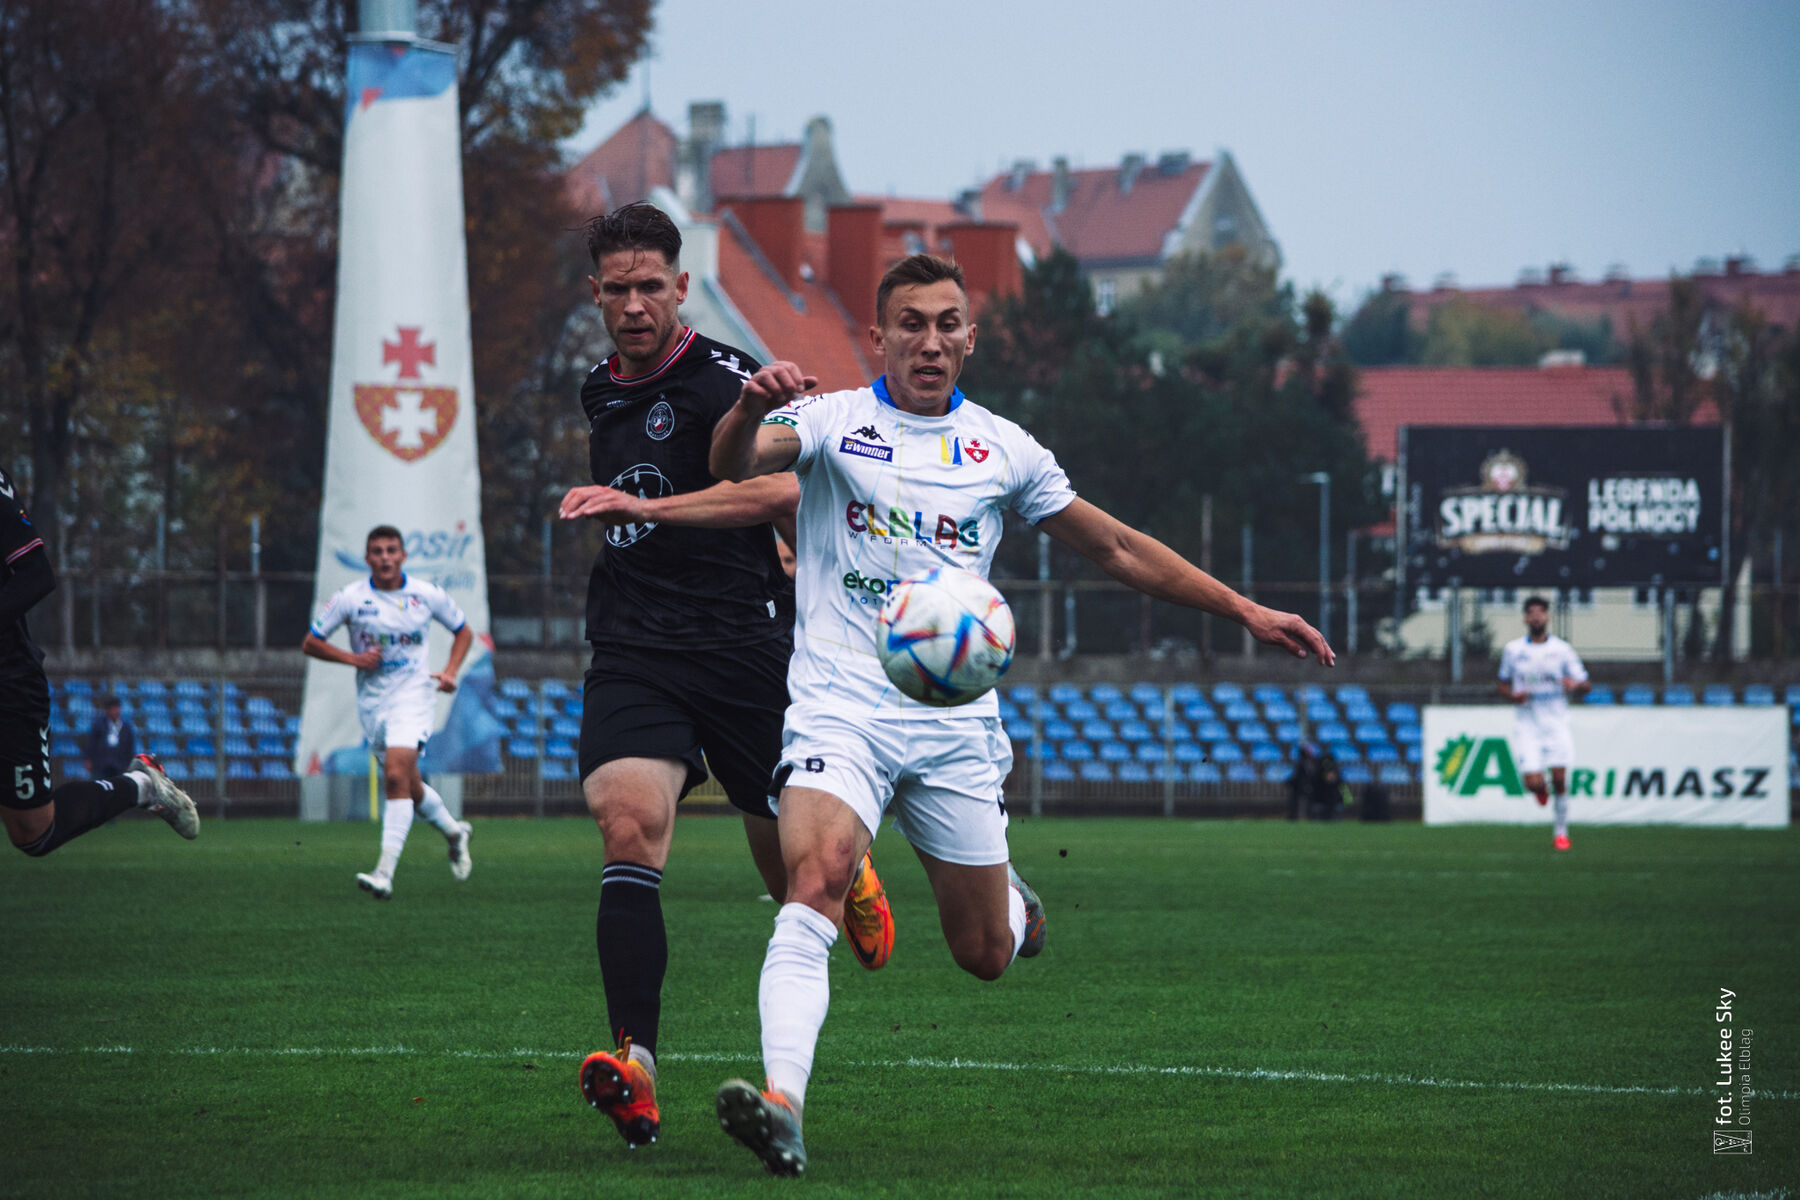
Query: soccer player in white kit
column 896, row 478
column 1540, row 672
column 390, row 617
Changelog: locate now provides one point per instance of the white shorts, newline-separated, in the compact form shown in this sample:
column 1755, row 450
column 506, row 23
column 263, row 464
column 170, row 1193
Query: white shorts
column 403, row 720
column 940, row 776
column 1538, row 747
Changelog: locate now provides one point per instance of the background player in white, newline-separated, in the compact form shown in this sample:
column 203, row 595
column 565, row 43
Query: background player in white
column 896, row 478
column 390, row 619
column 1539, row 672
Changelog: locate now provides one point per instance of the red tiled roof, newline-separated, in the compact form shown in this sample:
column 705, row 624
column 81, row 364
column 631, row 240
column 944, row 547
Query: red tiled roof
column 754, row 170
column 623, row 168
column 819, row 339
column 1099, row 222
column 1389, row 397
column 1626, row 301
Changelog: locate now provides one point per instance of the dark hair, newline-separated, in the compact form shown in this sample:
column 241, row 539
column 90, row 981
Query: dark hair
column 107, row 702
column 1537, row 601
column 920, row 268
column 384, row 531
column 633, row 227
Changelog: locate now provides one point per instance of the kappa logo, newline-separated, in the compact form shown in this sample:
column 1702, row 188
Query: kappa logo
column 661, row 421
column 868, row 433
column 408, row 419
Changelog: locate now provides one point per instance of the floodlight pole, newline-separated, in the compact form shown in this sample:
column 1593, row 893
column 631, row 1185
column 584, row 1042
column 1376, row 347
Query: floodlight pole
column 1324, row 481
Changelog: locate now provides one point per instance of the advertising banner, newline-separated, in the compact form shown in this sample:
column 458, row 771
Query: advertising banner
column 1633, row 766
column 400, row 447
column 1556, row 508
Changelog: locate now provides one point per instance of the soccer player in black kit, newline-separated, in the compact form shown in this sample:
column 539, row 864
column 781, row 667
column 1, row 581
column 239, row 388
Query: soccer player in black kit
column 691, row 619
column 38, row 818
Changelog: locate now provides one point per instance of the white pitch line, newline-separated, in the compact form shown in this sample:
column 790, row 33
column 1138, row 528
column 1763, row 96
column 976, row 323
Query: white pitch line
column 929, row 1064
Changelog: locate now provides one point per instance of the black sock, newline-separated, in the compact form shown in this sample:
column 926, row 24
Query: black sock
column 634, row 950
column 80, row 806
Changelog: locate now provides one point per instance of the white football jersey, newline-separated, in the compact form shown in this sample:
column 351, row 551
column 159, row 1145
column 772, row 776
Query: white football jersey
column 396, row 623
column 885, row 494
column 1539, row 668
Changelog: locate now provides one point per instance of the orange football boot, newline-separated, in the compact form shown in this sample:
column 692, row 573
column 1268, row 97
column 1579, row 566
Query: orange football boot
column 868, row 920
column 619, row 1086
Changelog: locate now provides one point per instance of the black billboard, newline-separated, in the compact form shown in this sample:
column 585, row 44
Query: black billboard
column 1555, row 508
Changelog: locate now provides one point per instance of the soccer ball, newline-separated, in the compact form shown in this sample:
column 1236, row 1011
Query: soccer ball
column 945, row 636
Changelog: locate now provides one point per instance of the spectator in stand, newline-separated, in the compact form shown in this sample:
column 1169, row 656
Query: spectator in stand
column 111, row 742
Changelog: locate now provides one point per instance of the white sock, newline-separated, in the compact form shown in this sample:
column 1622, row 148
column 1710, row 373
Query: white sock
column 1015, row 917
column 432, row 809
column 643, row 1056
column 396, row 820
column 1560, row 805
column 793, row 997
column 146, row 789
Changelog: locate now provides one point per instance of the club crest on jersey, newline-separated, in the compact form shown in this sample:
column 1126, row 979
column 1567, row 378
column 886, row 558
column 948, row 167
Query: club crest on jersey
column 975, row 450
column 646, row 482
column 863, row 450
column 661, row 421
column 407, row 418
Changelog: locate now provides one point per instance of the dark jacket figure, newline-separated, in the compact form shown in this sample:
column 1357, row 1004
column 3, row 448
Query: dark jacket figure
column 1315, row 788
column 111, row 742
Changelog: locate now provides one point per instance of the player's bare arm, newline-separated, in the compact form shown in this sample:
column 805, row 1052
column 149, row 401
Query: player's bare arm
column 1139, row 560
column 318, row 647
column 1576, row 688
column 742, row 446
column 459, row 650
column 722, row 506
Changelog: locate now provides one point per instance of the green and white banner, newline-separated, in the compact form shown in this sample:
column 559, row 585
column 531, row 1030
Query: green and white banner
column 1633, row 766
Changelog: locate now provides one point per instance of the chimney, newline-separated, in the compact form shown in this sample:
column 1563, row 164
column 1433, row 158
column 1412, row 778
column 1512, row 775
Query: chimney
column 1393, row 281
column 968, row 203
column 706, row 134
column 1561, row 273
column 1059, row 184
column 1173, row 163
column 1021, row 170
column 853, row 259
column 777, row 225
column 988, row 255
column 1739, row 264
column 1128, row 173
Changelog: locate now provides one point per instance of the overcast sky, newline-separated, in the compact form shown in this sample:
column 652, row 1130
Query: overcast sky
column 1473, row 139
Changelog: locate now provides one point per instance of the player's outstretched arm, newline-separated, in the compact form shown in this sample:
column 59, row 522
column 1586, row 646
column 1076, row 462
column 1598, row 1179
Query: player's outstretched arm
column 317, row 647
column 721, row 506
column 459, row 650
column 742, row 446
column 1146, row 564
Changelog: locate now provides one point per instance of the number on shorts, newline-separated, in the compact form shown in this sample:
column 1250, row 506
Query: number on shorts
column 24, row 785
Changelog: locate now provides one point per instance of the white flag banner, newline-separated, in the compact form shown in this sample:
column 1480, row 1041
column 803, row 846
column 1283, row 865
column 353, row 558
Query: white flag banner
column 1633, row 766
column 400, row 448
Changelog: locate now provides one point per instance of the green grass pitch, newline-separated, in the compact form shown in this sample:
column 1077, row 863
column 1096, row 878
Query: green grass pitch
column 1233, row 1008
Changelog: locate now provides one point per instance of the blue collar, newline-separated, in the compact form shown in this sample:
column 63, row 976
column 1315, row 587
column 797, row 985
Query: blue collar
column 401, row 588
column 881, row 394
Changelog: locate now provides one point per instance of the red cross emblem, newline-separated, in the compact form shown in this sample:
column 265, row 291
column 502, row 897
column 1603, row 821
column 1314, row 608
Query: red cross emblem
column 410, row 420
column 975, row 450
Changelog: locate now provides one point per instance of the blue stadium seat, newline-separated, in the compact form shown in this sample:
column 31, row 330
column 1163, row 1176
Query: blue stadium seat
column 514, row 688
column 1718, row 694
column 1166, row 772
column 1381, row 753
column 554, row 688
column 1333, row 732
column 1268, row 693
column 153, row 706
column 174, row 768
column 1344, row 752
column 1080, row 710
column 1242, row 710
column 1120, row 710
column 1153, row 710
column 1792, row 695
column 77, row 685
column 571, row 707
column 1242, row 772
column 522, row 747
column 1287, row 733
column 1063, row 693
column 204, row 768
column 162, row 746
column 556, row 768
column 1199, row 710
column 159, row 724
column 1225, row 693
column 1022, row 693
column 1400, row 713
column 1104, row 693
column 559, row 748
column 190, row 688
column 1321, row 710
column 1135, row 731
column 1189, row 752
column 1370, row 731
column 240, row 768
column 1096, row 772
column 1759, row 695
column 1408, row 735
column 60, row 724
column 1058, row 772
column 199, row 747
column 1149, row 751
column 1115, row 752
column 1252, row 731
column 193, row 726
column 1225, row 752
column 502, row 707
column 565, row 727
column 1306, row 693
column 1281, row 712
column 190, row 706
column 1018, row 731
column 71, row 768
column 238, row 747
column 274, row 768
column 1415, row 754
column 1097, row 730
column 1042, row 710
column 1007, row 709
column 1185, row 693
column 1679, row 696
column 1352, row 691
column 259, row 706
column 1639, row 696
column 1077, row 751
column 1360, row 714
column 1354, row 773
column 1394, row 774
column 1213, row 731
column 1045, row 750
column 65, row 747
column 1205, row 773
column 1600, row 695
column 1174, row 731
column 152, row 687
column 1144, row 693
column 1279, row 772
column 1133, row 772
column 1267, row 752
column 231, row 722
column 1059, row 730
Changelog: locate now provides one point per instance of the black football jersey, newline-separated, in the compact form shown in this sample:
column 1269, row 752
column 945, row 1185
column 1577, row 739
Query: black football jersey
column 23, row 687
column 672, row 586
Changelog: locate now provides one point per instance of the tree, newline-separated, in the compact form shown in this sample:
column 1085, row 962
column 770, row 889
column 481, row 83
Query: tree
column 1379, row 333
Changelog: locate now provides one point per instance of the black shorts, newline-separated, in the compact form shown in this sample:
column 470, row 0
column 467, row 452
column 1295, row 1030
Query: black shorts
column 718, row 709
column 24, row 760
